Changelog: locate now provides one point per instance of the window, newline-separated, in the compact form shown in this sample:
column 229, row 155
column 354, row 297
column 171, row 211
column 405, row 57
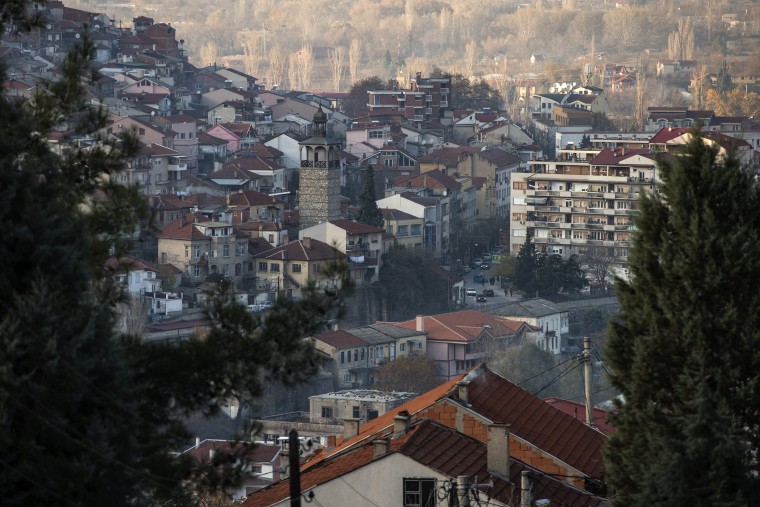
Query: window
column 196, row 270
column 226, row 270
column 371, row 414
column 187, row 250
column 315, row 268
column 262, row 266
column 197, row 252
column 355, row 413
column 226, row 250
column 240, row 249
column 295, row 268
column 271, row 238
column 356, row 355
column 238, row 269
column 416, row 229
column 274, row 268
column 375, row 134
column 342, row 357
column 419, row 492
column 401, row 347
column 361, row 355
column 327, row 412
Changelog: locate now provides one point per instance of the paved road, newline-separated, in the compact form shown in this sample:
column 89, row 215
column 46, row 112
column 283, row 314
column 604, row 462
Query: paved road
column 499, row 298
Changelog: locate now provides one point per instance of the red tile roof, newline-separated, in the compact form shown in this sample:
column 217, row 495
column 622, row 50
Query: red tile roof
column 355, row 227
column 578, row 411
column 306, row 250
column 617, row 156
column 463, row 326
column 182, row 228
column 340, row 339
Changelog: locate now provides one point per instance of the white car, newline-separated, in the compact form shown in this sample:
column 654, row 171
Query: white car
column 471, row 292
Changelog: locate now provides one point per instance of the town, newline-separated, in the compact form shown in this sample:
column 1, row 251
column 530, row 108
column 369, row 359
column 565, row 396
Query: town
column 474, row 246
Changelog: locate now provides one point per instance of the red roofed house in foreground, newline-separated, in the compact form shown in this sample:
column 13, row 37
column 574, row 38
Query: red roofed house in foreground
column 478, row 425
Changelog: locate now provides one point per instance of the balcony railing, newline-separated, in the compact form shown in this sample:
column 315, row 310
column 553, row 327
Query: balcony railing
column 444, row 103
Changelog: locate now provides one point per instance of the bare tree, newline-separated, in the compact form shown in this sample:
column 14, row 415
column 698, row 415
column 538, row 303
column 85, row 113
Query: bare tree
column 642, row 89
column 681, row 41
column 337, row 65
column 278, row 63
column 354, row 59
column 252, row 49
column 209, row 53
column 597, row 261
column 469, row 58
column 293, row 73
column 305, row 66
column 415, row 374
column 623, row 26
column 134, row 315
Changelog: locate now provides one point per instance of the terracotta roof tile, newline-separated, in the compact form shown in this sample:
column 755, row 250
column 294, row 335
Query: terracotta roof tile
column 355, row 227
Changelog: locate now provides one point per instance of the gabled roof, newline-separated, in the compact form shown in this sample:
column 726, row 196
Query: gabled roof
column 394, row 214
column 528, row 308
column 462, row 326
column 618, row 156
column 182, row 228
column 578, row 411
column 340, row 339
column 443, row 450
column 252, row 198
column 447, row 156
column 255, row 453
column 204, row 138
column 370, row 335
column 500, row 158
column 422, row 201
column 430, row 179
column 131, row 263
column 356, row 227
column 306, row 250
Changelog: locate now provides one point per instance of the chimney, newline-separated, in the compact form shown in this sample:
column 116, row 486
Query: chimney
column 401, row 424
column 497, row 454
column 350, row 427
column 331, row 442
column 381, row 447
column 526, row 485
column 306, row 243
column 197, row 442
column 462, row 391
column 211, row 454
column 420, row 321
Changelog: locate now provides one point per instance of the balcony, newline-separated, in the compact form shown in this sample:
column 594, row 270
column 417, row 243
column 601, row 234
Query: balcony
column 419, row 117
column 444, row 103
column 429, row 110
column 428, row 98
column 357, row 247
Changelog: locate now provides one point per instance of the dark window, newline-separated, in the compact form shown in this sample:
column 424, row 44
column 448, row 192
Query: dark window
column 342, row 357
column 419, row 492
column 355, row 414
column 262, row 266
column 327, row 412
column 371, row 414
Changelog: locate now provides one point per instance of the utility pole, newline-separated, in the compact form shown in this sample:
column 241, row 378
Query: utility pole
column 463, row 491
column 587, row 379
column 295, row 470
column 526, row 495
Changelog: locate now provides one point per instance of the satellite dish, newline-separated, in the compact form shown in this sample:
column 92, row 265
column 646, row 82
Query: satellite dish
column 77, row 36
column 574, row 84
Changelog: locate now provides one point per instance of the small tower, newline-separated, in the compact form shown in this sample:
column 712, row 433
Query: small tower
column 319, row 187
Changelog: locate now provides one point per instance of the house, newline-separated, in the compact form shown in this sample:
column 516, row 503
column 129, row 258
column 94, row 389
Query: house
column 542, row 314
column 222, row 132
column 186, row 140
column 263, row 462
column 676, row 68
column 361, row 404
column 349, row 357
column 146, row 132
column 459, row 340
column 428, row 209
column 425, row 99
column 212, row 152
column 262, row 206
column 523, row 448
column 286, row 269
column 136, row 275
column 156, row 170
column 405, row 228
column 362, row 244
column 201, row 247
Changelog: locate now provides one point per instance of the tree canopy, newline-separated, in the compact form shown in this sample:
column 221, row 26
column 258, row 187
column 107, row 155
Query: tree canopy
column 468, row 95
column 413, row 374
column 685, row 349
column 542, row 274
column 356, row 103
column 90, row 415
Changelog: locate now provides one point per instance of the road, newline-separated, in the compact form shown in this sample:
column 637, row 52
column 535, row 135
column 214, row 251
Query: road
column 499, row 299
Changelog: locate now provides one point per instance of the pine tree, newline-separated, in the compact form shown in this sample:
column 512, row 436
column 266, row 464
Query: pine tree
column 685, row 350
column 89, row 416
column 525, row 271
column 369, row 213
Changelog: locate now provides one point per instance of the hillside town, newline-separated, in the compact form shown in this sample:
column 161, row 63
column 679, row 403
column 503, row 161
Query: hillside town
column 264, row 190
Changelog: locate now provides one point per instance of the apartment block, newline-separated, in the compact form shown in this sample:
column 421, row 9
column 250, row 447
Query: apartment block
column 582, row 199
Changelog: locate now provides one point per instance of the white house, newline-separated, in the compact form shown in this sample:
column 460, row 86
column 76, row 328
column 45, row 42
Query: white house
column 543, row 314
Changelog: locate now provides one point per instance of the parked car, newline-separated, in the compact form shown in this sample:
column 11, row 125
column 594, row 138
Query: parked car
column 266, row 305
column 477, row 261
column 471, row 292
column 488, row 293
column 487, row 257
column 479, row 279
column 485, row 266
column 254, row 308
column 481, row 299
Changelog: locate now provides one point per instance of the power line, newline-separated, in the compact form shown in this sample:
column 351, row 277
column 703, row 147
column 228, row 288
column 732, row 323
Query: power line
column 564, row 372
column 545, row 371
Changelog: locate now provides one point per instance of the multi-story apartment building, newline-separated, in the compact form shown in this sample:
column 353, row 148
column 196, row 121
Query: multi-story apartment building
column 426, row 99
column 582, row 199
column 201, row 248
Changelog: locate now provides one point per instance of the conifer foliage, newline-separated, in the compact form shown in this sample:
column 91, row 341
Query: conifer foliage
column 89, row 416
column 369, row 213
column 685, row 351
